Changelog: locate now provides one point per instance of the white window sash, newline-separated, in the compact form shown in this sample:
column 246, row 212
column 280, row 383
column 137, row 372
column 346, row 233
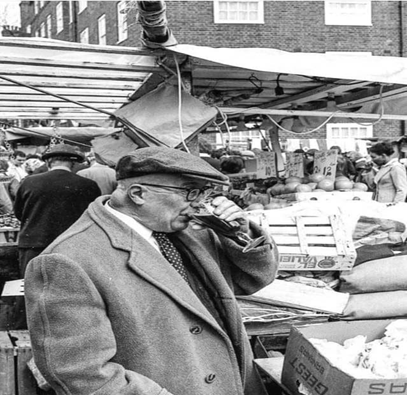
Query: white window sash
column 49, row 26
column 82, row 4
column 348, row 12
column 121, row 21
column 84, row 36
column 102, row 30
column 239, row 11
column 60, row 18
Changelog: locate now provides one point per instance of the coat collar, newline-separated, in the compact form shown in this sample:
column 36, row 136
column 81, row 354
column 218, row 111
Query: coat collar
column 385, row 169
column 148, row 263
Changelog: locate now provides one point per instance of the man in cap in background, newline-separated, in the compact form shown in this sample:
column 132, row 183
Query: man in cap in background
column 49, row 203
column 103, row 175
column 134, row 299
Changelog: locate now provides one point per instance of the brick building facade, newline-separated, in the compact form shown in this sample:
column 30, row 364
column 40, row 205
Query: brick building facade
column 296, row 26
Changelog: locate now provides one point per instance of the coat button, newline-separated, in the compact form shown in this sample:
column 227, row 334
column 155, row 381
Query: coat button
column 195, row 330
column 210, row 378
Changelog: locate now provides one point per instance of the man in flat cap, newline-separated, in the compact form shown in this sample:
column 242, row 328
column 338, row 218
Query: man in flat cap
column 49, row 203
column 132, row 299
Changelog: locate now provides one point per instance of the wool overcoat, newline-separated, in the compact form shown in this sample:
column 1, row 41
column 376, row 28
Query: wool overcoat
column 108, row 315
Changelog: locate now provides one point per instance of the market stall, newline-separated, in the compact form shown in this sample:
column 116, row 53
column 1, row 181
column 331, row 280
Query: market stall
column 113, row 88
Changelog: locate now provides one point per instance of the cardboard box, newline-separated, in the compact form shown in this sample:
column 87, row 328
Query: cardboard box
column 307, row 370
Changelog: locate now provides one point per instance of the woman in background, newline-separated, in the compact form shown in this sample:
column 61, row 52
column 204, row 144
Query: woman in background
column 391, row 179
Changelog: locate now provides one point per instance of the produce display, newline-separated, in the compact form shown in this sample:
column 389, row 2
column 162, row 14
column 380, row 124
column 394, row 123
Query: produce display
column 9, row 221
column 315, row 183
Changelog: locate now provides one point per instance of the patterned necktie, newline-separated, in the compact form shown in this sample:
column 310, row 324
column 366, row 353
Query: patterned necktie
column 171, row 254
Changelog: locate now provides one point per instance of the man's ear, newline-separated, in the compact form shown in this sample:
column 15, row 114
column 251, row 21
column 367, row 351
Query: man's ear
column 135, row 193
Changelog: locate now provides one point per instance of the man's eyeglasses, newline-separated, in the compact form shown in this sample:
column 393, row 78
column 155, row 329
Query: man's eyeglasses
column 191, row 194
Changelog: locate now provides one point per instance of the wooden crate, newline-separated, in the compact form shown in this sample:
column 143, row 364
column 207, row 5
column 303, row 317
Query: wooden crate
column 310, row 242
column 326, row 196
column 7, row 371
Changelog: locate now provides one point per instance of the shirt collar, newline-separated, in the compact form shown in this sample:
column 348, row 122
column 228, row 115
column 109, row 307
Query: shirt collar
column 142, row 230
column 391, row 162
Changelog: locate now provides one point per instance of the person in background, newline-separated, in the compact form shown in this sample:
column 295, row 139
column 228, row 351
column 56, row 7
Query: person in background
column 103, row 175
column 6, row 204
column 391, row 179
column 32, row 163
column 344, row 166
column 232, row 164
column 12, row 184
column 359, row 163
column 206, row 153
column 49, row 203
column 16, row 165
column 136, row 298
column 309, row 161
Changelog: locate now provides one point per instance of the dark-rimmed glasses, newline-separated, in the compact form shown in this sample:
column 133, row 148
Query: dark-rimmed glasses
column 191, row 194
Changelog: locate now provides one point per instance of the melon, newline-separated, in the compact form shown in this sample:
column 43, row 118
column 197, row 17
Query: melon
column 276, row 190
column 303, row 188
column 326, row 185
column 360, row 186
column 291, row 179
column 290, row 187
column 343, row 185
column 316, row 177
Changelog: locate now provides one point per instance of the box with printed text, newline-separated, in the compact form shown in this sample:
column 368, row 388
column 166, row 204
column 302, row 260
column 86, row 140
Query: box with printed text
column 307, row 371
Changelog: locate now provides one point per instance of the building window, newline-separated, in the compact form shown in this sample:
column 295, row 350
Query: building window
column 28, row 29
column 70, row 11
column 348, row 12
column 238, row 11
column 82, row 4
column 102, row 30
column 122, row 20
column 60, row 18
column 84, row 36
column 42, row 29
column 37, row 7
column 345, row 134
column 49, row 26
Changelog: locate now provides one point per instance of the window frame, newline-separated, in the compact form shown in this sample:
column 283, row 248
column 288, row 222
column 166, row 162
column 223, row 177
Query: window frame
column 42, row 30
column 71, row 10
column 84, row 32
column 336, row 140
column 334, row 18
column 101, row 37
column 217, row 10
column 60, row 17
column 82, row 5
column 49, row 26
column 122, row 33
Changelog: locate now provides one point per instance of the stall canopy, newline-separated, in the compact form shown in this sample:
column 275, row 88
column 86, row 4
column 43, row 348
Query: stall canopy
column 56, row 80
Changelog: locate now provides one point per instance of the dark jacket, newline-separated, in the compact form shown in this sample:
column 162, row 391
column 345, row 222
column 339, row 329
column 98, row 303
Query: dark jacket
column 49, row 203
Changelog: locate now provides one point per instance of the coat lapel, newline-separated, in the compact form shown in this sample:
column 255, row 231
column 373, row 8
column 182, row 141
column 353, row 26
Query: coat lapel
column 148, row 263
column 381, row 173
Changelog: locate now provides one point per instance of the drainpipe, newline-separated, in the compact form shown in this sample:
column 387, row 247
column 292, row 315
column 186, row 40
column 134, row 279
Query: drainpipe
column 75, row 22
column 153, row 20
column 401, row 39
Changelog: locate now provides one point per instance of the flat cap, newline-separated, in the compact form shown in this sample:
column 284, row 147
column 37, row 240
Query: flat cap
column 153, row 160
column 64, row 150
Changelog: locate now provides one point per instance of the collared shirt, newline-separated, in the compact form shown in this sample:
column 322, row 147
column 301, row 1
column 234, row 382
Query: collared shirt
column 143, row 231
